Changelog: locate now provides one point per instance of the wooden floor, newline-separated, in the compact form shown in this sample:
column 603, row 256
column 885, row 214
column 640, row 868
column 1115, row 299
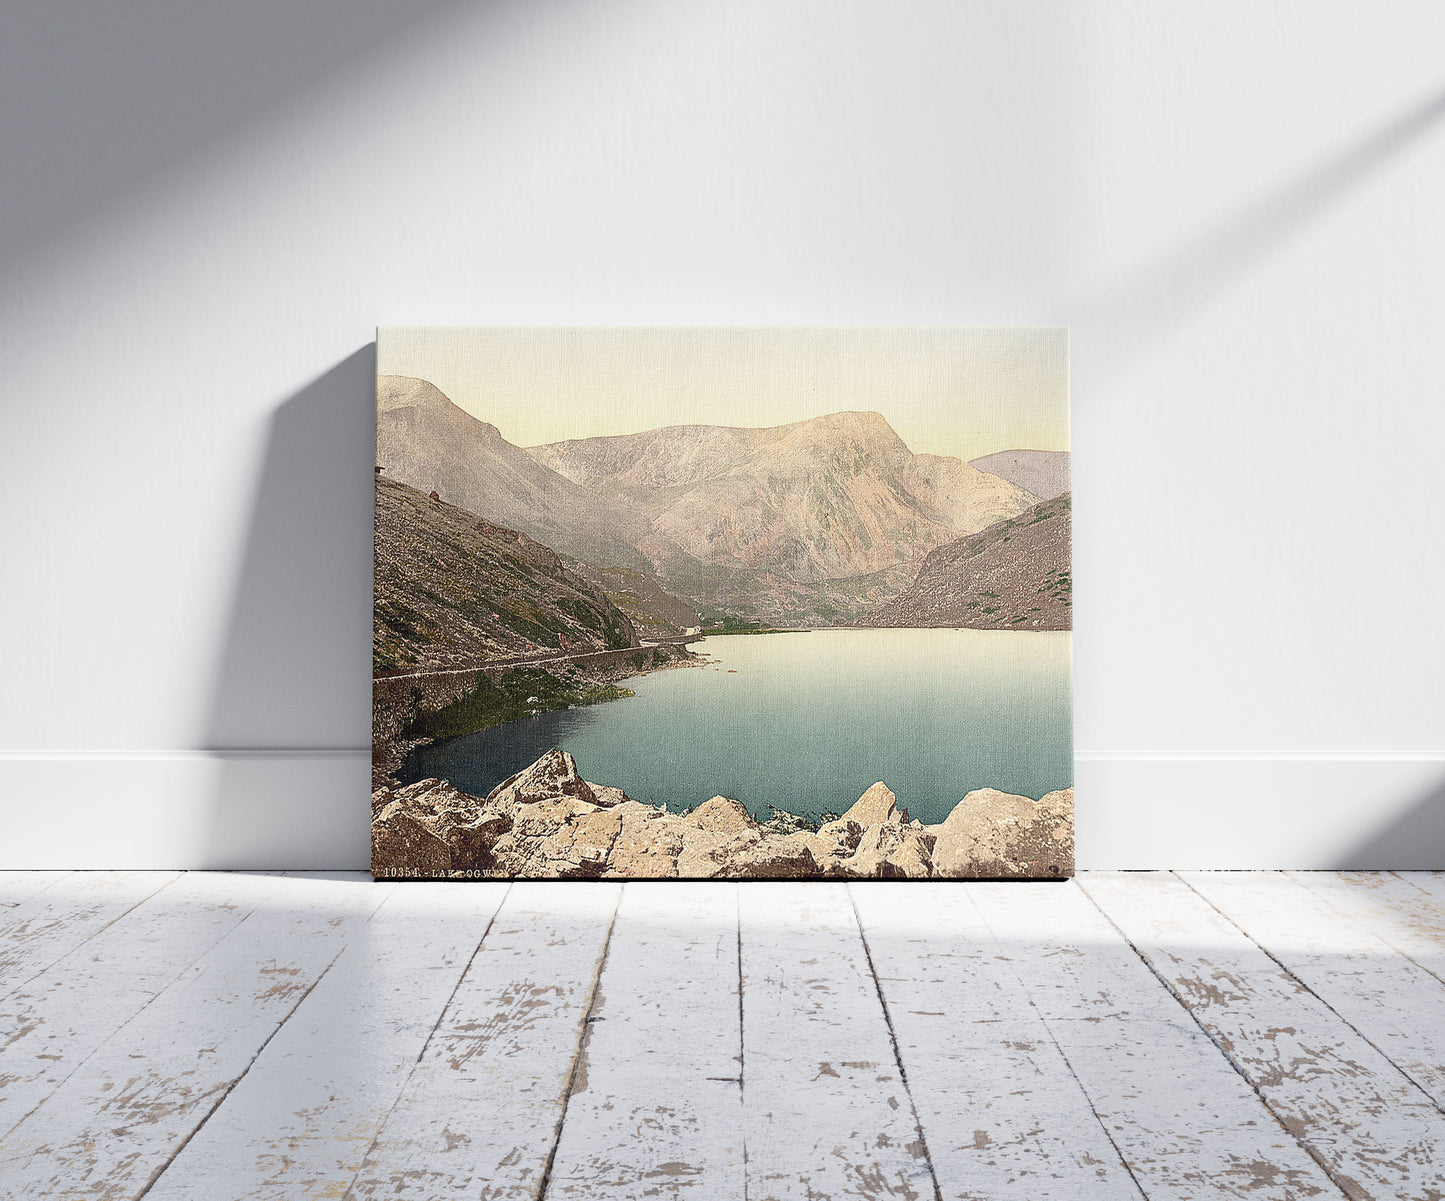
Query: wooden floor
column 1189, row 1035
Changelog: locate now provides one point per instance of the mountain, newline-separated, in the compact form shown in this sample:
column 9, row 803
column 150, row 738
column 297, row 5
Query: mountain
column 1014, row 575
column 829, row 498
column 424, row 440
column 802, row 523
column 1045, row 473
column 453, row 588
column 810, row 523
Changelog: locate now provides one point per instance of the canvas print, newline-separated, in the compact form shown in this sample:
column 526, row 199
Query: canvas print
column 722, row 603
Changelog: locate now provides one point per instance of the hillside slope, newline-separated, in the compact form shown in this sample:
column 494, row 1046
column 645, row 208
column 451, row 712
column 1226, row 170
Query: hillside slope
column 453, row 589
column 1014, row 575
column 653, row 611
column 961, row 496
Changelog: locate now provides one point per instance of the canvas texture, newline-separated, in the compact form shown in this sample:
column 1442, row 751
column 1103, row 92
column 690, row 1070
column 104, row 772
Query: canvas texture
column 722, row 603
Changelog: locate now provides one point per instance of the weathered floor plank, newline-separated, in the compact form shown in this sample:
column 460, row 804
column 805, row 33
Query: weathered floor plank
column 16, row 887
column 1404, row 909
column 300, row 1122
column 125, row 1112
column 1375, row 1131
column 656, row 1109
column 1392, row 1002
column 480, row 1114
column 47, row 925
column 1187, row 1125
column 54, row 1022
column 192, row 1036
column 826, row 1110
column 1002, row 1115
column 1432, row 884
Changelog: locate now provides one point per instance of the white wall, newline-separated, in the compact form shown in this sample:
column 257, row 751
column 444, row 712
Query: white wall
column 206, row 207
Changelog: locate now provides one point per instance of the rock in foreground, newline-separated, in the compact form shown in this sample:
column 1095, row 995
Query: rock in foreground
column 547, row 822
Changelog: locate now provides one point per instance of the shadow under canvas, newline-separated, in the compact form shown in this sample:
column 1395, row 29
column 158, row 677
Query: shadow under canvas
column 1414, row 841
column 290, row 714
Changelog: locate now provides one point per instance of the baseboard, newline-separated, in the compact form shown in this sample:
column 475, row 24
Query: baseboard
column 277, row 809
column 1260, row 809
column 308, row 809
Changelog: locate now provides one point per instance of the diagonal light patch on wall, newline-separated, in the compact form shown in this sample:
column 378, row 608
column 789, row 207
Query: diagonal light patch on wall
column 1145, row 305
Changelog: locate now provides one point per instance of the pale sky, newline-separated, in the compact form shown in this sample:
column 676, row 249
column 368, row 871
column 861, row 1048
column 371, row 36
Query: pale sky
column 966, row 391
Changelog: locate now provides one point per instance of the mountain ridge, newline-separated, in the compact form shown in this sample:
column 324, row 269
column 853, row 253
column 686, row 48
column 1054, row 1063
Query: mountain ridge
column 425, row 440
column 810, row 522
column 836, row 496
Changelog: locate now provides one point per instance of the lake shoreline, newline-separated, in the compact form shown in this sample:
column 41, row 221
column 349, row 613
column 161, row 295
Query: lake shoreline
column 793, row 725
column 423, row 710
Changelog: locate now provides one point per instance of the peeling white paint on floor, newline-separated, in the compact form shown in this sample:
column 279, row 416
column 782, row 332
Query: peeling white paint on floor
column 1131, row 1035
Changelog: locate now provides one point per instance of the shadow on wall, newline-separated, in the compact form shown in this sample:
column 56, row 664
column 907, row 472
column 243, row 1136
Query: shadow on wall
column 106, row 100
column 290, row 713
column 1414, row 841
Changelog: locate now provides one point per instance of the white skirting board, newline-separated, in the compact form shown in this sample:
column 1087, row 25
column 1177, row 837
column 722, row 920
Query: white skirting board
column 293, row 809
column 277, row 809
column 1261, row 811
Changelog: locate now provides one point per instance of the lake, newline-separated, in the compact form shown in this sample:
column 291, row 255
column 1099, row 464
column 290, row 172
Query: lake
column 807, row 721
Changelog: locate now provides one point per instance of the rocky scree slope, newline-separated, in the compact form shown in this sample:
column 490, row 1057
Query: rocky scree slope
column 654, row 612
column 548, row 822
column 453, row 589
column 1014, row 575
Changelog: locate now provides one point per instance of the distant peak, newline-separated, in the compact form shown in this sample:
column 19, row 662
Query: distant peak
column 853, row 420
column 855, row 417
column 408, row 391
column 397, row 391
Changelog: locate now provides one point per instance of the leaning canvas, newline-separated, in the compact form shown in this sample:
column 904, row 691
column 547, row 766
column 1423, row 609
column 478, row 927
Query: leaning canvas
column 722, row 603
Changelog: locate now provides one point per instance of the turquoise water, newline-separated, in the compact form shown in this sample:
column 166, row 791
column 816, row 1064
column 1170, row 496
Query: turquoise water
column 808, row 721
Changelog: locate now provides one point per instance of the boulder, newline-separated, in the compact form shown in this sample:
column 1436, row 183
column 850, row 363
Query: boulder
column 541, row 820
column 553, row 775
column 722, row 815
column 431, row 827
column 403, row 844
column 891, row 851
column 832, row 844
column 548, row 822
column 839, row 839
column 581, row 849
column 648, row 843
column 998, row 834
column 747, row 853
column 771, row 856
column 842, row 834
column 607, row 796
column 876, row 806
